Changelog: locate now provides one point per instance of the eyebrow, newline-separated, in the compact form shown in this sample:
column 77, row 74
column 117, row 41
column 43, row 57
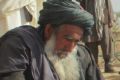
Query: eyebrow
column 70, row 37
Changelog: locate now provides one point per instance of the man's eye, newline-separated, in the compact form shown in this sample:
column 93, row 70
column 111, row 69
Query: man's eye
column 68, row 37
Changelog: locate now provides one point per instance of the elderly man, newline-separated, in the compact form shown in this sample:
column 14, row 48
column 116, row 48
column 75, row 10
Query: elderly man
column 50, row 52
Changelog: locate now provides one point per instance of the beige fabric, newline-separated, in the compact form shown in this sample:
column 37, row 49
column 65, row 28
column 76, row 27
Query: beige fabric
column 109, row 14
column 7, row 6
column 39, row 6
column 12, row 13
column 2, row 23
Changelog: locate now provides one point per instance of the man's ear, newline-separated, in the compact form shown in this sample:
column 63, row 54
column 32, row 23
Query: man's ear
column 48, row 31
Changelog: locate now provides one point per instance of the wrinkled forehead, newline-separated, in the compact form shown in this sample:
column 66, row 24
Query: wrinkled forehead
column 71, row 29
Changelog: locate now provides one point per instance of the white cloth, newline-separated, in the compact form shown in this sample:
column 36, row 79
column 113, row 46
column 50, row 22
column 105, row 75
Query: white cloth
column 7, row 6
column 13, row 15
column 99, row 8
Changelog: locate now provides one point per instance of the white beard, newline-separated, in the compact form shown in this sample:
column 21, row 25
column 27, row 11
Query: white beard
column 67, row 68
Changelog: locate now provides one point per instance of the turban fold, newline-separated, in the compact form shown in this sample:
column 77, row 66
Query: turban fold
column 65, row 12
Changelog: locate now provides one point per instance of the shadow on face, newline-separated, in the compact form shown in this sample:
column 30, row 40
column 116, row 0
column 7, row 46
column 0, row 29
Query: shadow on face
column 65, row 39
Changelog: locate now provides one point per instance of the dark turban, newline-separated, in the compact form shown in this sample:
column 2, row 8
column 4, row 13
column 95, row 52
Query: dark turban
column 65, row 12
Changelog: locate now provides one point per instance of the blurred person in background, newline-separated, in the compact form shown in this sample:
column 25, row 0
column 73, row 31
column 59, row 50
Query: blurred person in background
column 101, row 33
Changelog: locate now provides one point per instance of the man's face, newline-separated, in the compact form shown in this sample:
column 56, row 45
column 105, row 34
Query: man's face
column 66, row 39
column 59, row 58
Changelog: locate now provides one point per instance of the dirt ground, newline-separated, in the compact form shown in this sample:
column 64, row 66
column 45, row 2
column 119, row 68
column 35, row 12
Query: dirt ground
column 111, row 76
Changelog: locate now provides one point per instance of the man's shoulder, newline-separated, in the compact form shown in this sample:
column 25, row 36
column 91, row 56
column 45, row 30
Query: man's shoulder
column 23, row 28
column 25, row 32
column 83, row 51
column 83, row 47
column 28, row 35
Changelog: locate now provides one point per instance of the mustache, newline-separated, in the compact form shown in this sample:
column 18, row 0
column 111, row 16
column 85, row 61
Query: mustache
column 62, row 53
